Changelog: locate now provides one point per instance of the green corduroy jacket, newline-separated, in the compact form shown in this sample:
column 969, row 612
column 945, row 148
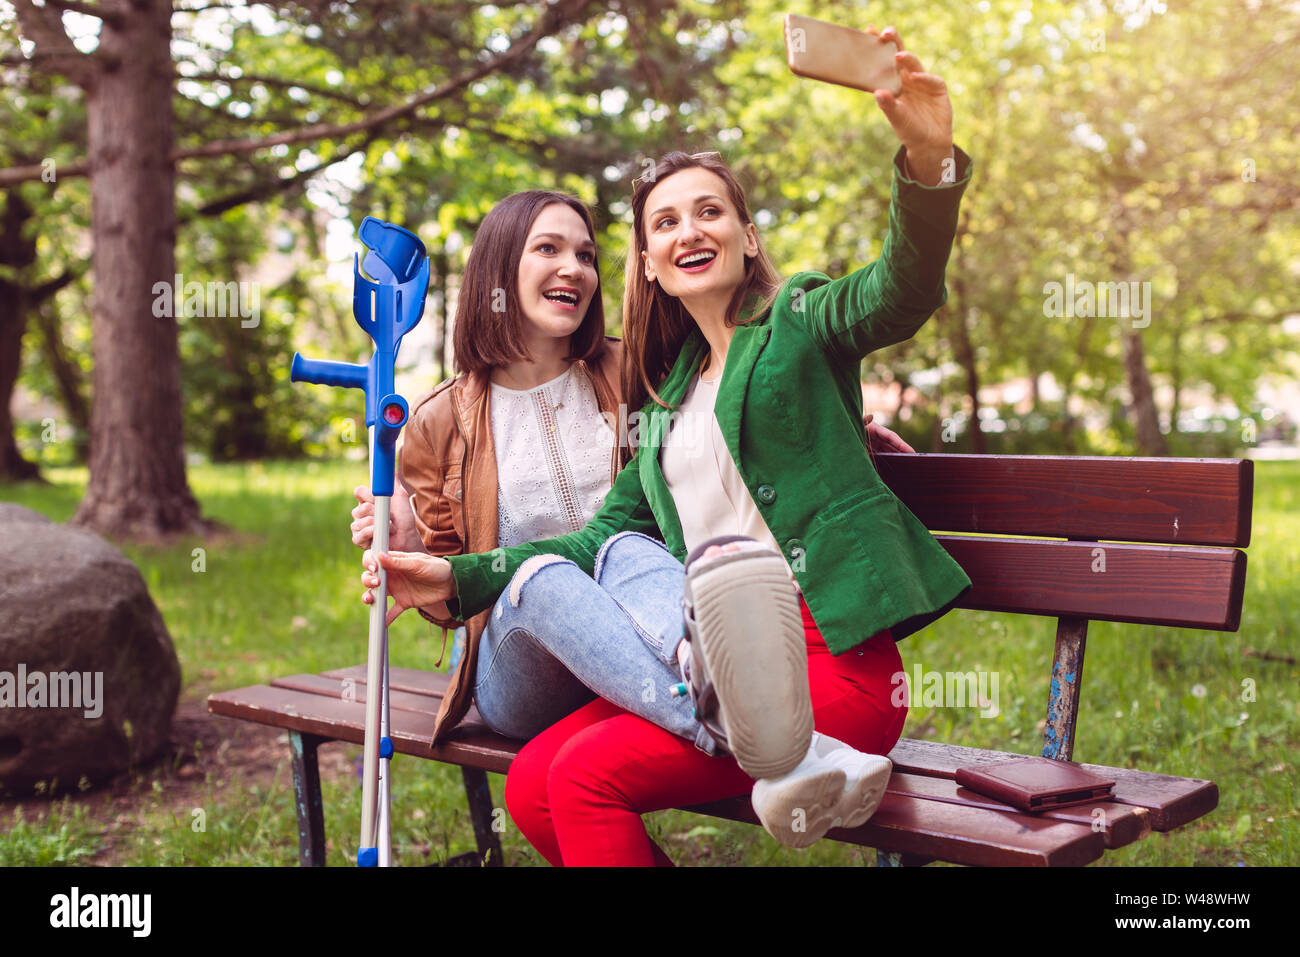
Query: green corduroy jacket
column 790, row 409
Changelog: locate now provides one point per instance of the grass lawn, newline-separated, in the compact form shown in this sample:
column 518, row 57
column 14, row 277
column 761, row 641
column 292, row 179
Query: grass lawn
column 280, row 594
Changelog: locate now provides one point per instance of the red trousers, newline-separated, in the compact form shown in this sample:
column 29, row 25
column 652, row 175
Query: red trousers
column 577, row 791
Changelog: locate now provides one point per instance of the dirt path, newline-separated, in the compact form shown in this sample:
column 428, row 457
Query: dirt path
column 204, row 752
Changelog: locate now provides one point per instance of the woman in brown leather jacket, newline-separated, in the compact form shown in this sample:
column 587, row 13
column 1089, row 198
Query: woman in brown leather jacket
column 519, row 446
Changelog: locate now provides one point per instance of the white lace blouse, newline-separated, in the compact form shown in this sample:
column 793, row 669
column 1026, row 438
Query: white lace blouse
column 553, row 457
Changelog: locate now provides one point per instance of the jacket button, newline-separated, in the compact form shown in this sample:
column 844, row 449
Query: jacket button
column 794, row 548
column 766, row 494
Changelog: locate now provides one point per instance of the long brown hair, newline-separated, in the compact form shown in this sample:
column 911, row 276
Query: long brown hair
column 489, row 320
column 655, row 324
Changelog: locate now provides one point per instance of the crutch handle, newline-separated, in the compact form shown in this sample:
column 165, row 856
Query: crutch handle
column 348, row 375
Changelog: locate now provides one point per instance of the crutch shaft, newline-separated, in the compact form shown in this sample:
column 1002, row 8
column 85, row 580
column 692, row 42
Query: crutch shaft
column 375, row 674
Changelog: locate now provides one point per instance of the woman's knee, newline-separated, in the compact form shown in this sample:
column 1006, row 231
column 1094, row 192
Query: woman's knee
column 620, row 547
column 857, row 705
column 525, row 790
column 581, row 776
column 526, row 574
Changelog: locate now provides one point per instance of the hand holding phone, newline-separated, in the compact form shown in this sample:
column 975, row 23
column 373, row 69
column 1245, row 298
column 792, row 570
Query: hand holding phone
column 915, row 102
column 835, row 54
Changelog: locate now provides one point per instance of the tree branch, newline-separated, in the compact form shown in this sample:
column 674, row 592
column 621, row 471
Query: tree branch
column 113, row 18
column 44, row 27
column 50, row 287
column 210, row 6
column 22, row 174
column 552, row 19
column 566, row 150
column 1267, row 319
column 273, row 185
column 275, row 81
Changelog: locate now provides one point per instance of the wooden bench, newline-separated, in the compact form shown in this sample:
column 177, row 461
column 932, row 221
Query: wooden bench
column 1140, row 540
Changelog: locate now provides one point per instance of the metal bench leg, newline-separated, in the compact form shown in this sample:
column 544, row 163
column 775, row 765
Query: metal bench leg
column 306, row 794
column 481, row 813
column 1067, row 680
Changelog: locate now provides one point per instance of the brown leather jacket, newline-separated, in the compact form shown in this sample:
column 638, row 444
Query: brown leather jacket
column 448, row 465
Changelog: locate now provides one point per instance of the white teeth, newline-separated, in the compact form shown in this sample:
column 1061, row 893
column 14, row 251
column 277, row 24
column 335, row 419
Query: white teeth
column 560, row 295
column 695, row 258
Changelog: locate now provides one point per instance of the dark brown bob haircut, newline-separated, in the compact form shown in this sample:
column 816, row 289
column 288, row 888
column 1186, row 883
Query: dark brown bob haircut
column 485, row 337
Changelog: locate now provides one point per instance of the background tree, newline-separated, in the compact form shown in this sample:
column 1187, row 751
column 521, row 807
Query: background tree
column 41, row 125
column 380, row 71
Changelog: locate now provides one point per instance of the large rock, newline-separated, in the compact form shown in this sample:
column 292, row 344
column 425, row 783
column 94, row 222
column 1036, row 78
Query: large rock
column 88, row 675
column 9, row 512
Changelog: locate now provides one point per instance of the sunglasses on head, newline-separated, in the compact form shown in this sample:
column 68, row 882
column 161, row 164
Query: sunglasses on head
column 694, row 156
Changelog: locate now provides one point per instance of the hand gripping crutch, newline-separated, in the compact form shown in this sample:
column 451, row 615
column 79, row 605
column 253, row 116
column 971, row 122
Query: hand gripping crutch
column 388, row 292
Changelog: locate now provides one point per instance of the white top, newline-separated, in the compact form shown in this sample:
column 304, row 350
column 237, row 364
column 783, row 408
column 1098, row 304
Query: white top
column 706, row 486
column 553, row 450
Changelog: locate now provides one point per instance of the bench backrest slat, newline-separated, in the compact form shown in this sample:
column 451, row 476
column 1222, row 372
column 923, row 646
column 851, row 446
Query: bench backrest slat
column 1109, row 581
column 1177, row 501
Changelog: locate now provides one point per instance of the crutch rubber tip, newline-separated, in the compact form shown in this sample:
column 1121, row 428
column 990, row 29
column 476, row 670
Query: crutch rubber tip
column 368, row 857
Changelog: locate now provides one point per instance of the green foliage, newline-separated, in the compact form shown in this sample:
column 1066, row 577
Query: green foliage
column 1109, row 144
column 1105, row 146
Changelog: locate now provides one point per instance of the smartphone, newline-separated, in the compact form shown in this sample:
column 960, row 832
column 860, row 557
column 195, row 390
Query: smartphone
column 835, row 54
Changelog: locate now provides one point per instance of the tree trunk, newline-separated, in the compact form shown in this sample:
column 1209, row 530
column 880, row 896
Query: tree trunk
column 67, row 376
column 903, row 381
column 444, row 338
column 244, row 435
column 1069, row 422
column 137, row 483
column 17, row 253
column 1176, row 379
column 1142, row 404
column 966, row 356
column 1150, row 440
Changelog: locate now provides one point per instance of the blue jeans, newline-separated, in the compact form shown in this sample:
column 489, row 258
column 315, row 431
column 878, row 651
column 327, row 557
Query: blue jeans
column 558, row 637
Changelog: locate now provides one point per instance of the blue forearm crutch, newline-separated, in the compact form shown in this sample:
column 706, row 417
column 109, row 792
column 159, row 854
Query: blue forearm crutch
column 388, row 292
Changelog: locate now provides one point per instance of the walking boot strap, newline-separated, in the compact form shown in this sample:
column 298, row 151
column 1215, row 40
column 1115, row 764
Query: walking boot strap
column 705, row 698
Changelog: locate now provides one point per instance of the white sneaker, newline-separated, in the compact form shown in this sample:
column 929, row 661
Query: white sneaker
column 867, row 777
column 833, row 786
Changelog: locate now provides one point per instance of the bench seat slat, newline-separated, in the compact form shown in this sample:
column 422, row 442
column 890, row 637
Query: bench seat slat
column 1134, row 499
column 1145, row 584
column 471, row 744
column 1124, row 823
column 917, row 824
column 1170, row 801
column 333, row 687
column 399, row 679
column 992, row 838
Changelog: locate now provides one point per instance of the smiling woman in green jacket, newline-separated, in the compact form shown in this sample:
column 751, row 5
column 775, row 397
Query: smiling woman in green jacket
column 711, row 329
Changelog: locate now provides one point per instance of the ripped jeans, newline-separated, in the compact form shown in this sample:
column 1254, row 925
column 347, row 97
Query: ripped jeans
column 558, row 637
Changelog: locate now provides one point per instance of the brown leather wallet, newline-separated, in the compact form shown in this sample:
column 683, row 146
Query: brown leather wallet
column 1036, row 784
